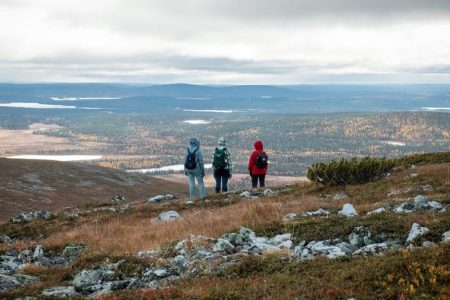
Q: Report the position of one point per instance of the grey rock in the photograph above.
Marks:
(340, 196)
(247, 195)
(268, 192)
(169, 216)
(420, 202)
(61, 292)
(25, 256)
(318, 213)
(38, 252)
(428, 244)
(446, 237)
(376, 211)
(435, 205)
(160, 198)
(5, 239)
(247, 234)
(326, 248)
(72, 251)
(289, 217)
(415, 232)
(371, 249)
(223, 246)
(118, 199)
(360, 236)
(260, 248)
(403, 208)
(87, 278)
(281, 238)
(161, 273)
(348, 211)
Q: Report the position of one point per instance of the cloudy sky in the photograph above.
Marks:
(225, 41)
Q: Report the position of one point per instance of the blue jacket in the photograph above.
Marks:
(200, 166)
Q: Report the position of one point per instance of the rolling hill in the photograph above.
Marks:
(27, 185)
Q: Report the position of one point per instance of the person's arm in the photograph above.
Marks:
(184, 161)
(200, 162)
(230, 162)
(251, 162)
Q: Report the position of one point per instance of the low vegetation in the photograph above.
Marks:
(408, 274)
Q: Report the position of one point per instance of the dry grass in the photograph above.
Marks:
(128, 234)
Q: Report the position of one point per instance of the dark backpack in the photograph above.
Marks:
(220, 160)
(261, 160)
(190, 162)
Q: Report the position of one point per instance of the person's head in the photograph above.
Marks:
(258, 145)
(194, 142)
(221, 142)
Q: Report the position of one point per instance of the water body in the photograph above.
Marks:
(172, 168)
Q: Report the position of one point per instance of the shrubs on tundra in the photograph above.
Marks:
(353, 171)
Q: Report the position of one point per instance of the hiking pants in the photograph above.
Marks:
(221, 176)
(255, 180)
(201, 185)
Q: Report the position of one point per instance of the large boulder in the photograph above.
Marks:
(446, 237)
(415, 232)
(87, 278)
(348, 211)
(169, 216)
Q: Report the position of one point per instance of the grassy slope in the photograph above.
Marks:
(34, 185)
(420, 274)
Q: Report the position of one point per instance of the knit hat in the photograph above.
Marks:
(221, 142)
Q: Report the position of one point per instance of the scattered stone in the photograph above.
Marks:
(5, 239)
(415, 232)
(268, 192)
(126, 207)
(61, 292)
(160, 198)
(30, 216)
(404, 208)
(289, 217)
(38, 252)
(371, 249)
(376, 211)
(340, 196)
(118, 199)
(72, 251)
(87, 278)
(428, 244)
(169, 216)
(420, 202)
(435, 205)
(446, 237)
(348, 210)
(247, 195)
(360, 237)
(223, 245)
(318, 213)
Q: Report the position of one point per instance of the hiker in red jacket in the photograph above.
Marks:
(257, 165)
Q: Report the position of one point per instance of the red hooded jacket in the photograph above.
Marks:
(252, 161)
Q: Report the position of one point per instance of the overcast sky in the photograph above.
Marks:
(225, 41)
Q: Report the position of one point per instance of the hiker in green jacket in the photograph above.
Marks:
(222, 165)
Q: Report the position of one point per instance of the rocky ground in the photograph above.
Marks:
(400, 226)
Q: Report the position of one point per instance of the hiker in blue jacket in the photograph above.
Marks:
(222, 165)
(194, 168)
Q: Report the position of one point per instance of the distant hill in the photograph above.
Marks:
(27, 185)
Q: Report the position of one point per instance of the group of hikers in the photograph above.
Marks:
(194, 166)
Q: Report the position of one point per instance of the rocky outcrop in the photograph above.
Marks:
(25, 217)
(419, 203)
(415, 232)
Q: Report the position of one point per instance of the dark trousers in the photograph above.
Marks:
(255, 179)
(221, 176)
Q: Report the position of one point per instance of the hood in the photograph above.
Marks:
(258, 145)
(194, 143)
(221, 142)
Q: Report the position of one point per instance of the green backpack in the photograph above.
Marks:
(220, 160)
